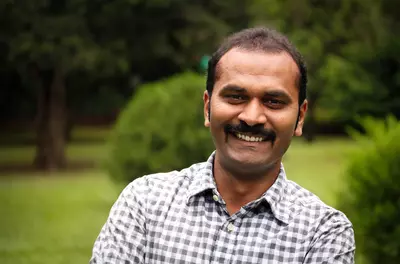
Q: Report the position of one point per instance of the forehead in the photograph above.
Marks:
(257, 67)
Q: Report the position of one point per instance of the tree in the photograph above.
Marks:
(168, 37)
(48, 39)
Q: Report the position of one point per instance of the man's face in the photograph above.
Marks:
(254, 109)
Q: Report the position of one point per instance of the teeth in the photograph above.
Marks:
(250, 139)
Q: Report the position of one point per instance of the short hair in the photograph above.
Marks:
(258, 39)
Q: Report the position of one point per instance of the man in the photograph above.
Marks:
(237, 207)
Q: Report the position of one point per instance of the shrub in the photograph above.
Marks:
(161, 129)
(372, 200)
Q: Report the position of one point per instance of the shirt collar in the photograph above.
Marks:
(275, 195)
(203, 180)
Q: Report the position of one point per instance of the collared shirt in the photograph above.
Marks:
(179, 217)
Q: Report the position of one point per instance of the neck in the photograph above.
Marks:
(238, 189)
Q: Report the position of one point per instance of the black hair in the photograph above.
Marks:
(258, 39)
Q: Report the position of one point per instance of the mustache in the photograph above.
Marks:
(242, 127)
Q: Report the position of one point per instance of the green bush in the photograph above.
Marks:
(161, 129)
(372, 200)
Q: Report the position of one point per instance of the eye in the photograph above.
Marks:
(274, 103)
(235, 98)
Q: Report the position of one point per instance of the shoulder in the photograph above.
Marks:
(307, 205)
(329, 232)
(163, 183)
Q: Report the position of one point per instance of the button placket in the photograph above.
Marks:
(215, 197)
(230, 227)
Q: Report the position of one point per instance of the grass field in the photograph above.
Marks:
(56, 218)
(320, 166)
(52, 219)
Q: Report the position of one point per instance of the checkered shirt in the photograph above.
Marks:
(179, 217)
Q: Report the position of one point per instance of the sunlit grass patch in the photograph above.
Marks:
(52, 219)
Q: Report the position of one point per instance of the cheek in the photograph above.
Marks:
(216, 106)
(222, 113)
(283, 123)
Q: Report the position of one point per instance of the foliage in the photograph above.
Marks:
(117, 36)
(372, 199)
(161, 129)
(60, 33)
(172, 35)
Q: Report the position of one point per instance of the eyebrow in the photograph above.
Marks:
(233, 88)
(271, 93)
(278, 94)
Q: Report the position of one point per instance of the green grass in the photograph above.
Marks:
(55, 218)
(48, 219)
(319, 167)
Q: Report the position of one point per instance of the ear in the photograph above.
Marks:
(206, 100)
(302, 115)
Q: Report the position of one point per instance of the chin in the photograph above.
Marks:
(251, 161)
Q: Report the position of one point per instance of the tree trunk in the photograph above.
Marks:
(50, 150)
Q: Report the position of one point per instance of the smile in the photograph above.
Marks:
(249, 138)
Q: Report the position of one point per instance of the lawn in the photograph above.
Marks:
(48, 219)
(319, 167)
(56, 218)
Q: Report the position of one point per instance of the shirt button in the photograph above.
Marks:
(230, 227)
(215, 197)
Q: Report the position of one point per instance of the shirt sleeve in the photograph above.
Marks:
(122, 239)
(334, 243)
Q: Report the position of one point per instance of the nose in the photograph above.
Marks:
(253, 113)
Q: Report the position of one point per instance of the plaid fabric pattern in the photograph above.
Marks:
(179, 217)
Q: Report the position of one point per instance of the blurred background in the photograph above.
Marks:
(96, 93)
